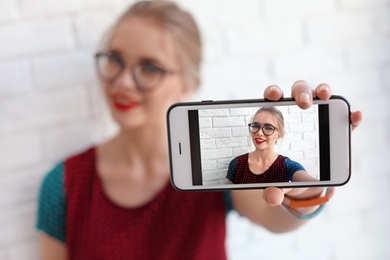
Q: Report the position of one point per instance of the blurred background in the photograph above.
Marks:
(50, 105)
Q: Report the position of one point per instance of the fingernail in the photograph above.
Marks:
(304, 98)
(273, 89)
(324, 88)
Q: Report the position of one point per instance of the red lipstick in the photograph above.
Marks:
(259, 141)
(123, 103)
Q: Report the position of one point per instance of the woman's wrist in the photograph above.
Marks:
(307, 208)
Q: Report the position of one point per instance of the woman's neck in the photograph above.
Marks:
(263, 156)
(144, 146)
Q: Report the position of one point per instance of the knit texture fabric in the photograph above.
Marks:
(52, 209)
(276, 173)
(175, 225)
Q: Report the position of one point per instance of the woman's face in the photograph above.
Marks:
(137, 42)
(260, 140)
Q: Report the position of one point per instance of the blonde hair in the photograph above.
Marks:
(181, 26)
(277, 115)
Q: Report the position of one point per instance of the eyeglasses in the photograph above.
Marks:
(146, 75)
(267, 129)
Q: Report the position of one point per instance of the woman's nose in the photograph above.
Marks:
(126, 80)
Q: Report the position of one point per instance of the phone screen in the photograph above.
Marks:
(220, 136)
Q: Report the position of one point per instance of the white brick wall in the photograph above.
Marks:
(50, 105)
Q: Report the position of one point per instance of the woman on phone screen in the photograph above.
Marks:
(264, 165)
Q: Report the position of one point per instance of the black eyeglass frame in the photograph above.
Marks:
(122, 64)
(262, 128)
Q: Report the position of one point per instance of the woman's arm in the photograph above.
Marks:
(263, 206)
(51, 248)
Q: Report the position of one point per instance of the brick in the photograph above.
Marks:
(26, 250)
(356, 83)
(35, 37)
(292, 118)
(243, 111)
(8, 11)
(310, 61)
(44, 109)
(213, 112)
(214, 132)
(298, 110)
(293, 137)
(372, 52)
(210, 13)
(79, 136)
(20, 225)
(310, 117)
(208, 165)
(362, 4)
(205, 122)
(311, 154)
(231, 142)
(310, 136)
(223, 164)
(294, 155)
(18, 193)
(240, 151)
(269, 38)
(340, 28)
(91, 27)
(106, 4)
(240, 131)
(19, 149)
(3, 255)
(216, 153)
(301, 146)
(214, 45)
(228, 121)
(15, 77)
(282, 9)
(45, 7)
(207, 143)
(214, 175)
(386, 76)
(64, 70)
(301, 127)
(383, 21)
(242, 78)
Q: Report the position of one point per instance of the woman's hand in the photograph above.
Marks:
(303, 95)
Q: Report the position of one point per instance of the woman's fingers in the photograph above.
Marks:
(302, 93)
(323, 91)
(356, 119)
(273, 196)
(273, 93)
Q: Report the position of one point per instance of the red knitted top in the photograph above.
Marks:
(175, 225)
(276, 173)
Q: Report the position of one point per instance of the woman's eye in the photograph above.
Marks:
(115, 59)
(150, 68)
(268, 128)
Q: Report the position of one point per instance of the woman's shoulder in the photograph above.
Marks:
(55, 175)
(293, 164)
(87, 152)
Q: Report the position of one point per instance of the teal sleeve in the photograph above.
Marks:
(293, 167)
(231, 174)
(51, 217)
(227, 199)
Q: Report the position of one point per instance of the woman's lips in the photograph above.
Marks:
(259, 141)
(123, 103)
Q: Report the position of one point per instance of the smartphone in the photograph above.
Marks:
(226, 145)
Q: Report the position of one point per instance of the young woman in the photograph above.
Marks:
(264, 165)
(115, 201)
